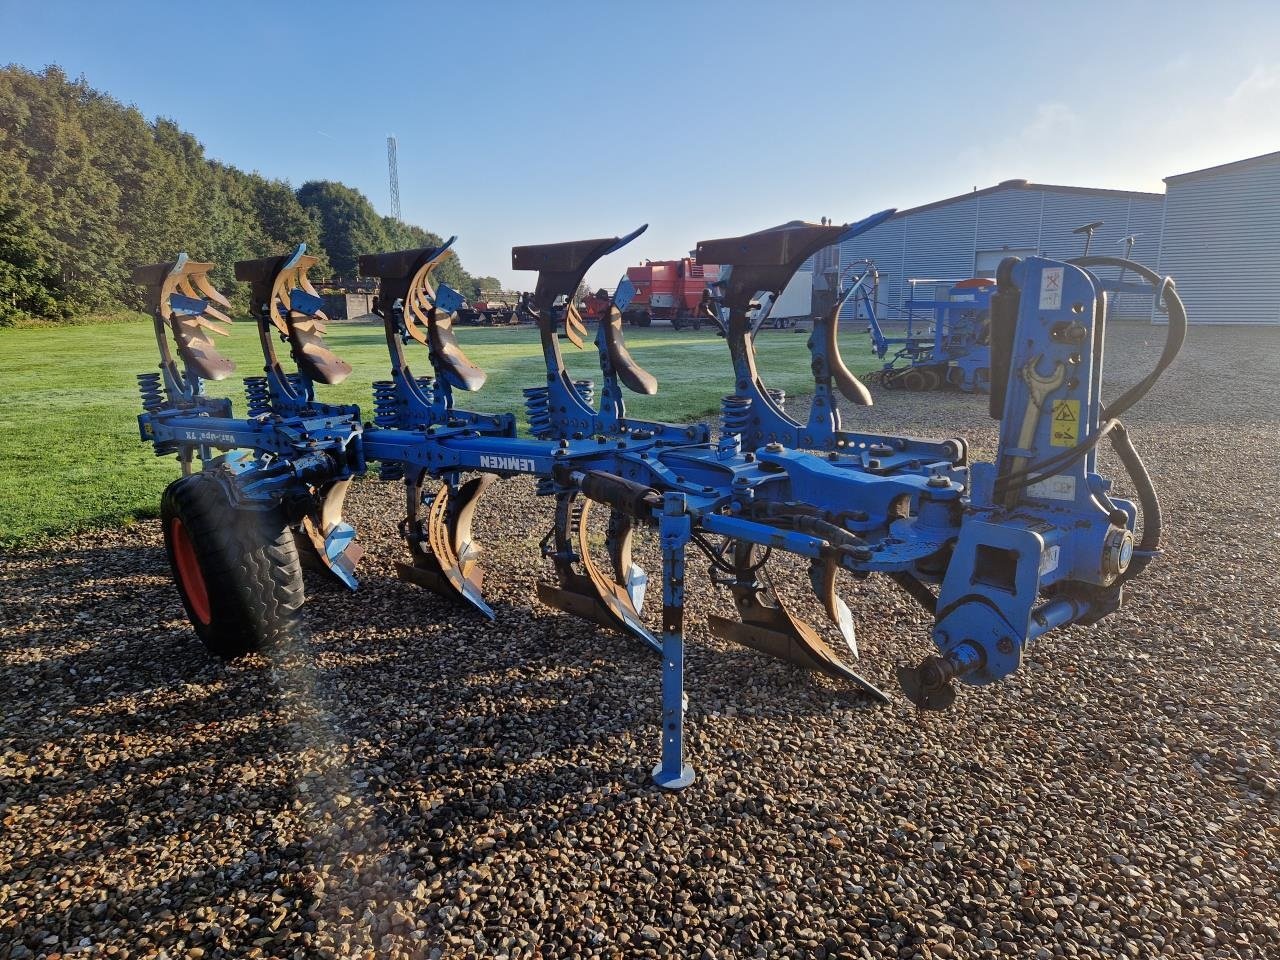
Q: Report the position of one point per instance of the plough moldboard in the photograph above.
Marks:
(999, 553)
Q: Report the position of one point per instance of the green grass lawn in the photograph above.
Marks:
(71, 460)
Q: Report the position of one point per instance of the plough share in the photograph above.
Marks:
(999, 553)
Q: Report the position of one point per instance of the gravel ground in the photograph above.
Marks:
(416, 783)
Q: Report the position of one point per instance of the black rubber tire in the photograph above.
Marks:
(248, 564)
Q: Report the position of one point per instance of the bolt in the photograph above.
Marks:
(939, 481)
(774, 447)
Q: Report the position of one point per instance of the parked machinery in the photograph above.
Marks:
(945, 336)
(998, 553)
(595, 305)
(669, 291)
(490, 310)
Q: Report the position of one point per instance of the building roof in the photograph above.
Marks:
(1028, 185)
(1233, 166)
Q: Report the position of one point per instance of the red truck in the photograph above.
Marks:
(669, 290)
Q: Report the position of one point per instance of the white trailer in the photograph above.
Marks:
(794, 304)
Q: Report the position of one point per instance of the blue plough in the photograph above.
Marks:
(998, 553)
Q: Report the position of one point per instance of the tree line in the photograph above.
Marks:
(89, 188)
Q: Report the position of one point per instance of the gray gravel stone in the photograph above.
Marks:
(414, 782)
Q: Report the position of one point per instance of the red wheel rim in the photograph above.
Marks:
(190, 579)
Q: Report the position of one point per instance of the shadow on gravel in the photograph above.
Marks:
(507, 721)
(476, 730)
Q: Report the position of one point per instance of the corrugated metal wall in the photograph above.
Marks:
(943, 242)
(885, 245)
(1219, 229)
(1064, 212)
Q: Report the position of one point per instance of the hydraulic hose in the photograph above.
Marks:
(1177, 329)
(1148, 501)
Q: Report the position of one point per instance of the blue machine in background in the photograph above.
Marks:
(945, 337)
(997, 553)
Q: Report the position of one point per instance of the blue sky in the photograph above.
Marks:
(533, 122)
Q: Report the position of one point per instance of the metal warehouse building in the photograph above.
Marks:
(1221, 240)
(1216, 231)
(969, 235)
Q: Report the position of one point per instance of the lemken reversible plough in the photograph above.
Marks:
(999, 553)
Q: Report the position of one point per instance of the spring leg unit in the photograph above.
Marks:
(673, 530)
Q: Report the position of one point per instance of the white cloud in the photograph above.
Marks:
(1261, 85)
(1020, 153)
(1051, 120)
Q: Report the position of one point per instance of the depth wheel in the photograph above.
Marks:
(913, 380)
(237, 570)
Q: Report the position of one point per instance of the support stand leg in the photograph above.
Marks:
(673, 773)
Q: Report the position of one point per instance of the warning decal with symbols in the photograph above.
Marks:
(1065, 430)
(1051, 288)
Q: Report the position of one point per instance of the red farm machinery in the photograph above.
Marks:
(670, 291)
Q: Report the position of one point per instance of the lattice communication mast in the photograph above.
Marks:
(394, 174)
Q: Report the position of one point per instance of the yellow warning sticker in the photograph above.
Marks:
(1066, 423)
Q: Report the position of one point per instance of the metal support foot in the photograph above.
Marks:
(673, 530)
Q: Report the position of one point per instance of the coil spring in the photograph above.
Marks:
(298, 384)
(778, 396)
(152, 392)
(427, 385)
(735, 414)
(257, 396)
(385, 413)
(537, 408)
(586, 390)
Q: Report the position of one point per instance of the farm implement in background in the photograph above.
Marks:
(945, 336)
(998, 554)
(942, 334)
